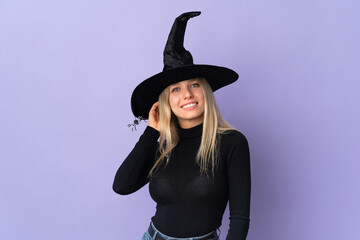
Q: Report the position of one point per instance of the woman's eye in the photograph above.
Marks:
(175, 90)
(195, 85)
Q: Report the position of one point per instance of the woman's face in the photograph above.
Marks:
(187, 102)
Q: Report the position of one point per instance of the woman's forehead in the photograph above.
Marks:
(185, 81)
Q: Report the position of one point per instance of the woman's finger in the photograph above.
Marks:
(154, 116)
(155, 107)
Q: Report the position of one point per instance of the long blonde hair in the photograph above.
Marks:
(213, 124)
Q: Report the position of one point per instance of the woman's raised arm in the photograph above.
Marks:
(133, 172)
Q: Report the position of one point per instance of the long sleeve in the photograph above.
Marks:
(133, 172)
(239, 188)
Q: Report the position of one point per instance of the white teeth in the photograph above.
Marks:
(189, 105)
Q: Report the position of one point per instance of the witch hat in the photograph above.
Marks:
(178, 66)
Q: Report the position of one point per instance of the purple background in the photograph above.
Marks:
(67, 71)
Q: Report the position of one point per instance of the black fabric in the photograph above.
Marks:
(175, 55)
(190, 204)
(178, 66)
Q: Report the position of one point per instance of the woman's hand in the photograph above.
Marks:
(154, 117)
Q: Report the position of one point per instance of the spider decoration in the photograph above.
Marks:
(136, 122)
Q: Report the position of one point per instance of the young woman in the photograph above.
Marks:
(200, 162)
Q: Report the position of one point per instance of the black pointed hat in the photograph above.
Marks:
(178, 66)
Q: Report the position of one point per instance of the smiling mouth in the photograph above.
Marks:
(189, 105)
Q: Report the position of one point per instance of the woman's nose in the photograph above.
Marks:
(187, 93)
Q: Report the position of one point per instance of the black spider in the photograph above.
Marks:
(136, 122)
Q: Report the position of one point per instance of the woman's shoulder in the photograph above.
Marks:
(233, 136)
(232, 133)
(234, 146)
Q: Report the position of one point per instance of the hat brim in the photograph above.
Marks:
(147, 92)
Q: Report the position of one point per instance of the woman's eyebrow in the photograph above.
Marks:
(195, 81)
(174, 85)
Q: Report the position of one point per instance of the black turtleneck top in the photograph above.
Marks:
(188, 203)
